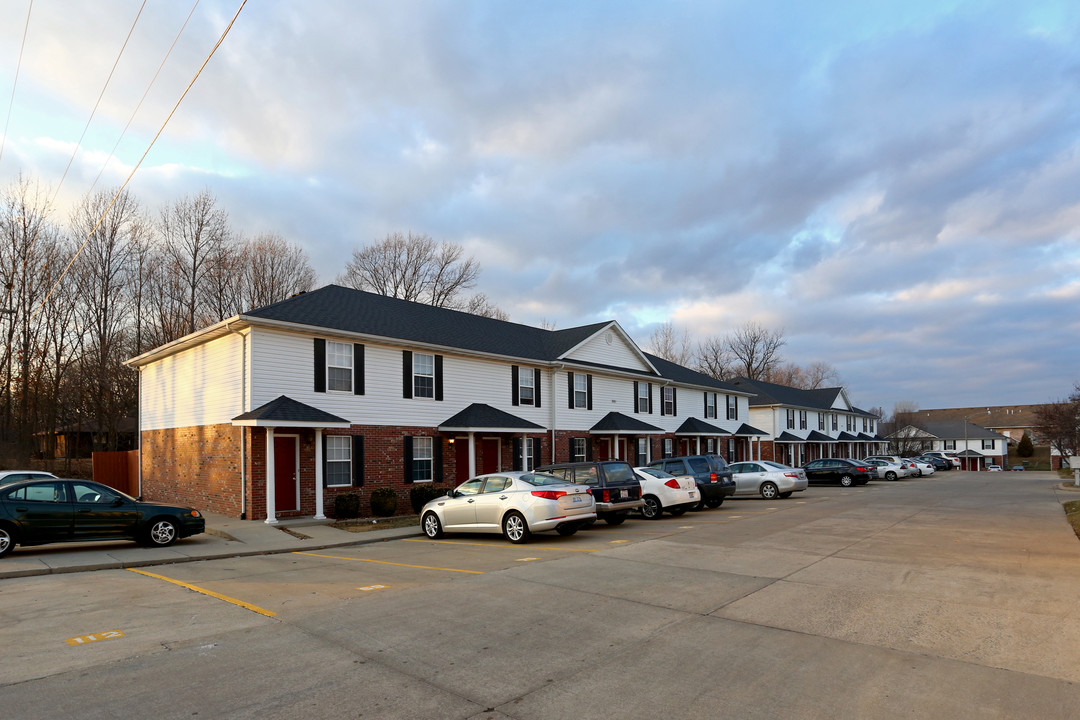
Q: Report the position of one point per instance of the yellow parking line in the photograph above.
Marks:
(384, 562)
(493, 545)
(211, 593)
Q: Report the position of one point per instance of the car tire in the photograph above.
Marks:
(431, 525)
(890, 475)
(567, 530)
(679, 510)
(615, 518)
(769, 491)
(846, 481)
(786, 495)
(162, 532)
(515, 529)
(712, 504)
(652, 509)
(7, 539)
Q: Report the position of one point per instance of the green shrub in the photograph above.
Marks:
(1024, 448)
(347, 506)
(383, 502)
(420, 495)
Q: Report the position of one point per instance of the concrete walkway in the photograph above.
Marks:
(224, 537)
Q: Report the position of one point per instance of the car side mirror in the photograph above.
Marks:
(117, 502)
(453, 494)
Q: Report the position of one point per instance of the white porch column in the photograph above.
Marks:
(271, 512)
(615, 442)
(472, 454)
(319, 476)
(697, 447)
(524, 452)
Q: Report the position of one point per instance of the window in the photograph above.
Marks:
(338, 460)
(667, 448)
(988, 444)
(821, 421)
(710, 405)
(586, 475)
(731, 448)
(87, 493)
(732, 407)
(710, 445)
(802, 419)
(496, 484)
(526, 463)
(835, 425)
(577, 449)
(525, 387)
(871, 426)
(950, 444)
(864, 424)
(423, 375)
(850, 422)
(339, 364)
(668, 401)
(581, 391)
(40, 492)
(790, 419)
(644, 397)
(422, 459)
(642, 451)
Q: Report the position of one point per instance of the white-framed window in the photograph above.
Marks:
(338, 460)
(821, 421)
(988, 444)
(423, 459)
(581, 390)
(642, 451)
(710, 405)
(339, 366)
(527, 461)
(578, 452)
(730, 450)
(668, 394)
(732, 407)
(423, 375)
(526, 389)
(864, 424)
(871, 425)
(710, 445)
(790, 419)
(835, 423)
(643, 392)
(802, 419)
(949, 444)
(668, 448)
(850, 422)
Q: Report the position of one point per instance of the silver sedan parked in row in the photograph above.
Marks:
(887, 470)
(768, 479)
(516, 504)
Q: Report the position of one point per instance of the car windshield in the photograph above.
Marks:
(778, 466)
(540, 479)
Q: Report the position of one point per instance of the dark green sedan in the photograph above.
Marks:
(35, 512)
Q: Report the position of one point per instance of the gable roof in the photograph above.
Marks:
(283, 410)
(768, 393)
(479, 416)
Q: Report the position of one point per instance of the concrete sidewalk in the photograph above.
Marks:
(225, 537)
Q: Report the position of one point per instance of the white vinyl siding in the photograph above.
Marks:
(617, 353)
(199, 386)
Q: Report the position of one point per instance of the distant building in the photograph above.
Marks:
(976, 446)
(1012, 421)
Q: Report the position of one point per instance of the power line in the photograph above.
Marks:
(139, 164)
(18, 66)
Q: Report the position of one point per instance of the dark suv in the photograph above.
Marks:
(711, 472)
(615, 487)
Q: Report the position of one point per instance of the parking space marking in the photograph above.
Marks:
(385, 562)
(493, 545)
(526, 559)
(368, 588)
(84, 639)
(211, 593)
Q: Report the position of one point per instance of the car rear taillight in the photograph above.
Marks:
(548, 494)
(712, 477)
(672, 483)
(588, 490)
(862, 469)
(794, 475)
(605, 496)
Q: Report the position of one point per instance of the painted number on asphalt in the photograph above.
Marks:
(372, 587)
(83, 639)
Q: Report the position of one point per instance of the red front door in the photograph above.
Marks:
(461, 459)
(489, 456)
(286, 492)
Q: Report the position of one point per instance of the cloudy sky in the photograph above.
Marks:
(896, 185)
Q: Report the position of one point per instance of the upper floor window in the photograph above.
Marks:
(864, 424)
(668, 394)
(850, 422)
(821, 421)
(732, 407)
(950, 444)
(802, 419)
(710, 405)
(988, 444)
(339, 366)
(644, 397)
(423, 375)
(835, 424)
(526, 388)
(790, 419)
(581, 390)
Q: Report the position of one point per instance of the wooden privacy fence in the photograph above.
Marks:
(118, 470)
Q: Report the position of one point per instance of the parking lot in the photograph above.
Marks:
(953, 595)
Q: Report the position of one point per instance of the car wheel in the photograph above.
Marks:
(715, 503)
(679, 510)
(567, 530)
(515, 529)
(7, 539)
(846, 480)
(615, 518)
(890, 475)
(652, 509)
(162, 533)
(769, 491)
(786, 495)
(432, 526)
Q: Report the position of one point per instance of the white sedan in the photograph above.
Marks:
(768, 479)
(516, 504)
(887, 470)
(921, 467)
(662, 491)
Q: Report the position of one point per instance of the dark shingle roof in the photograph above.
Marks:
(749, 431)
(954, 430)
(285, 409)
(481, 416)
(617, 422)
(816, 436)
(694, 426)
(789, 437)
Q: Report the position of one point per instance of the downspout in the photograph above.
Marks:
(554, 409)
(138, 424)
(243, 430)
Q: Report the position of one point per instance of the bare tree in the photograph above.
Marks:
(1058, 423)
(671, 344)
(413, 267)
(273, 270)
(810, 377)
(194, 229)
(480, 305)
(756, 350)
(715, 359)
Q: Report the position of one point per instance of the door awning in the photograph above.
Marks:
(615, 423)
(283, 411)
(479, 416)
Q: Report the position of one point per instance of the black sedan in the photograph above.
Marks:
(839, 470)
(937, 462)
(35, 512)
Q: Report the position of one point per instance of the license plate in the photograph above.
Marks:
(577, 498)
(693, 494)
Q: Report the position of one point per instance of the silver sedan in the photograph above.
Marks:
(516, 504)
(768, 479)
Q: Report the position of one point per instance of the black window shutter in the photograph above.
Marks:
(324, 460)
(635, 396)
(588, 448)
(437, 469)
(357, 459)
(438, 377)
(650, 398)
(536, 386)
(588, 392)
(406, 377)
(536, 453)
(674, 401)
(570, 385)
(514, 385)
(320, 365)
(408, 458)
(663, 400)
(517, 453)
(705, 412)
(357, 369)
